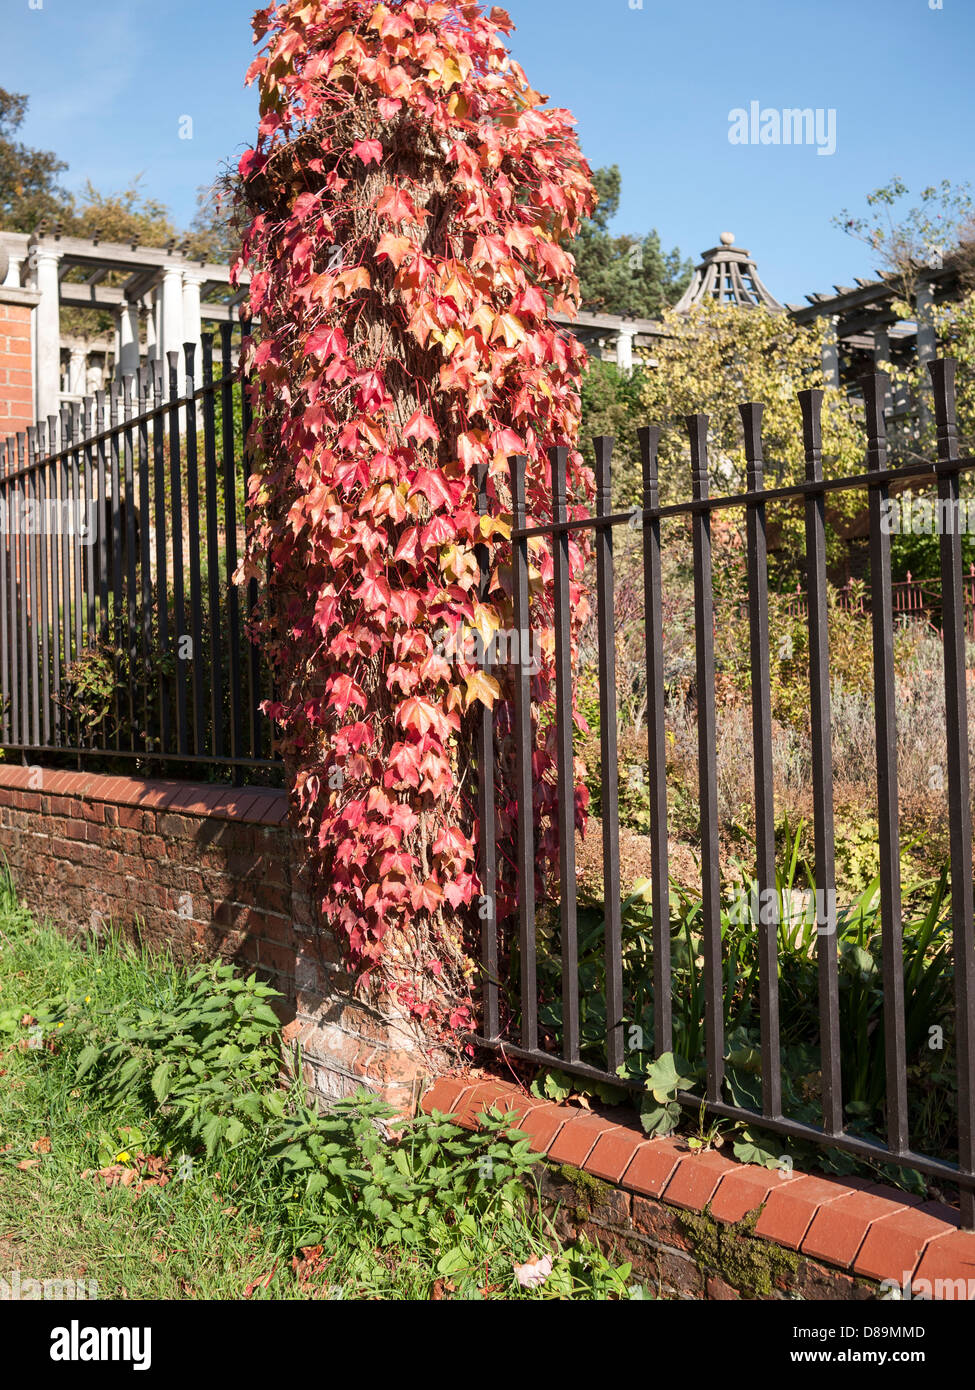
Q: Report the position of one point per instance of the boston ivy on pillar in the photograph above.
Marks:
(408, 196)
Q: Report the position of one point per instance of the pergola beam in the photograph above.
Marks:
(89, 296)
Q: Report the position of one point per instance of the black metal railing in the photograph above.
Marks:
(123, 639)
(511, 949)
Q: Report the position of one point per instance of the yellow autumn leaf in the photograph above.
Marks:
(450, 71)
(508, 327)
(457, 562)
(486, 623)
(494, 526)
(483, 319)
(454, 289)
(450, 340)
(482, 687)
(356, 278)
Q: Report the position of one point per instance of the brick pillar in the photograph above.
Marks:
(16, 359)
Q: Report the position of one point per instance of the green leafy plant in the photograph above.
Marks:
(660, 1111)
(357, 1202)
(339, 1165)
(205, 1059)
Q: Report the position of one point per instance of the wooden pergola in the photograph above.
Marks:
(159, 299)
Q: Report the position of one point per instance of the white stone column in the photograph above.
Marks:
(78, 371)
(128, 358)
(192, 283)
(927, 338)
(94, 378)
(149, 312)
(831, 353)
(624, 351)
(927, 345)
(48, 344)
(172, 338)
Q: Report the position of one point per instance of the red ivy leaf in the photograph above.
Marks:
(369, 151)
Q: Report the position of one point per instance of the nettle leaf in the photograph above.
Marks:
(456, 1261)
(162, 1081)
(86, 1060)
(131, 1069)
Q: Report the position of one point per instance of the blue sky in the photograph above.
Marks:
(651, 86)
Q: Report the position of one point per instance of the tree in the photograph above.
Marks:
(29, 188)
(909, 240)
(718, 356)
(409, 194)
(624, 274)
(213, 233)
(128, 216)
(913, 436)
(612, 403)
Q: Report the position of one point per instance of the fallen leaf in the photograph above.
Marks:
(534, 1272)
(263, 1281)
(26, 1163)
(309, 1263)
(42, 1145)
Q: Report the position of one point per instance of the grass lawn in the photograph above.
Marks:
(145, 1145)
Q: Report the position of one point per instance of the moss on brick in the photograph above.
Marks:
(589, 1191)
(751, 1265)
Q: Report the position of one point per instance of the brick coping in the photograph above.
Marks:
(864, 1228)
(256, 805)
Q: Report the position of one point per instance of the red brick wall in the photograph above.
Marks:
(16, 369)
(700, 1225)
(206, 872)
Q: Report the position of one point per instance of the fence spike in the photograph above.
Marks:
(942, 372)
(697, 429)
(189, 357)
(751, 413)
(172, 359)
(603, 448)
(649, 439)
(811, 408)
